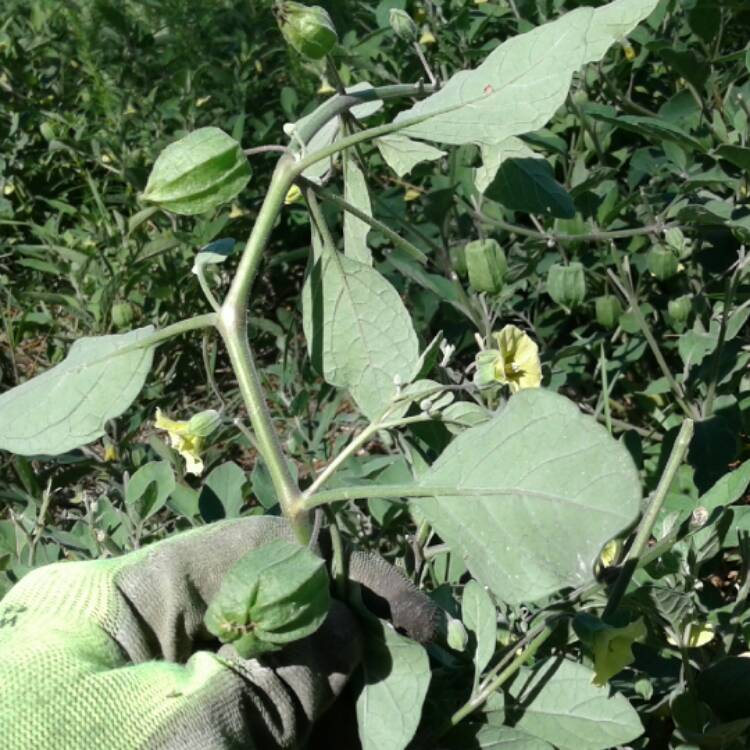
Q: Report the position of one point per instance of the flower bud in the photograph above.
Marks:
(457, 637)
(275, 594)
(308, 28)
(123, 314)
(458, 260)
(204, 423)
(403, 25)
(567, 284)
(662, 262)
(608, 311)
(486, 264)
(679, 309)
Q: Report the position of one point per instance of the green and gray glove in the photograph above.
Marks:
(107, 653)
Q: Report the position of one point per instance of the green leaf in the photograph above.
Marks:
(225, 483)
(523, 81)
(355, 192)
(479, 615)
(737, 155)
(729, 489)
(560, 488)
(359, 334)
(490, 737)
(402, 154)
(148, 489)
(68, 406)
(521, 180)
(653, 128)
(198, 173)
(397, 675)
(213, 253)
(559, 704)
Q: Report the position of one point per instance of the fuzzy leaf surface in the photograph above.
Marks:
(560, 487)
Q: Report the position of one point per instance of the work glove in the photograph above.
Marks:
(113, 654)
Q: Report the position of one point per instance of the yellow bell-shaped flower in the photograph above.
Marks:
(518, 365)
(188, 437)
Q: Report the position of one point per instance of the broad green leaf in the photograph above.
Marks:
(559, 704)
(225, 482)
(198, 173)
(521, 180)
(355, 192)
(653, 128)
(560, 488)
(213, 253)
(402, 154)
(479, 615)
(397, 675)
(68, 406)
(359, 334)
(490, 737)
(728, 489)
(148, 489)
(523, 81)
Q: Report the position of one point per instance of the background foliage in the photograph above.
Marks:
(651, 152)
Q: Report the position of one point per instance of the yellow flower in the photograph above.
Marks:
(697, 635)
(611, 553)
(518, 364)
(188, 437)
(427, 38)
(110, 452)
(612, 649)
(294, 195)
(325, 88)
(412, 194)
(629, 52)
(236, 212)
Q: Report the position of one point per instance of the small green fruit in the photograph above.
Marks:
(608, 311)
(662, 262)
(567, 284)
(679, 309)
(486, 265)
(308, 28)
(275, 594)
(198, 173)
(123, 314)
(403, 25)
(204, 423)
(458, 260)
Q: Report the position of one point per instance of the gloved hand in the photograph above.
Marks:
(106, 653)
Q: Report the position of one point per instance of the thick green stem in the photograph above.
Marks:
(232, 325)
(676, 457)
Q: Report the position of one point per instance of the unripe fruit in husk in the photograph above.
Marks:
(608, 311)
(198, 173)
(486, 265)
(567, 284)
(308, 28)
(123, 314)
(204, 423)
(403, 25)
(679, 309)
(458, 260)
(275, 594)
(662, 262)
